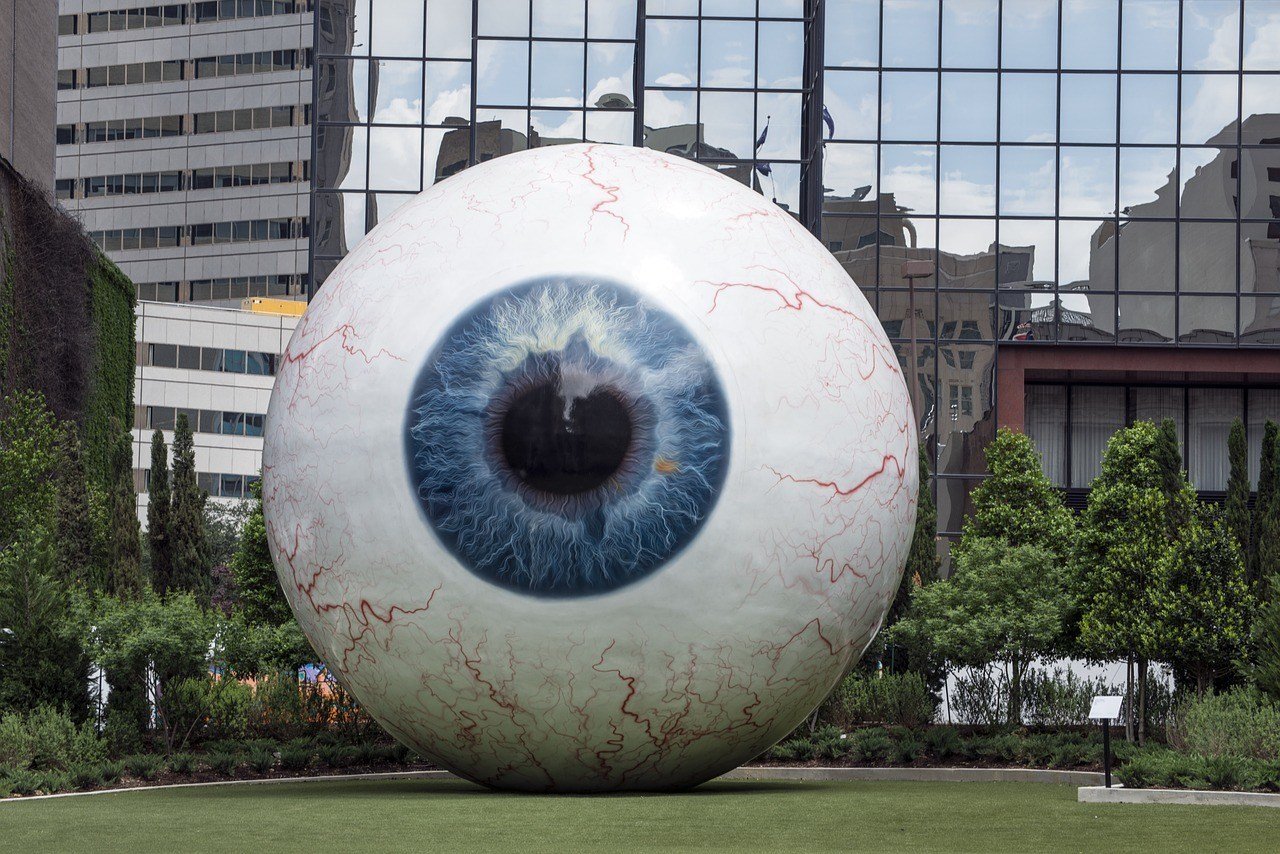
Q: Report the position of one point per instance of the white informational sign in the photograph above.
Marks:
(1105, 708)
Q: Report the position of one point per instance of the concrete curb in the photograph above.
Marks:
(1100, 795)
(758, 772)
(917, 775)
(319, 778)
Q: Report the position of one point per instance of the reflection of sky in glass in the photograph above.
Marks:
(503, 72)
(910, 33)
(1030, 34)
(1089, 33)
(1149, 108)
(1149, 35)
(557, 74)
(503, 18)
(1087, 182)
(397, 28)
(670, 53)
(1027, 181)
(1210, 34)
(728, 53)
(781, 55)
(969, 33)
(968, 180)
(908, 171)
(399, 95)
(852, 36)
(968, 107)
(559, 18)
(1088, 108)
(908, 105)
(449, 29)
(1142, 172)
(1028, 108)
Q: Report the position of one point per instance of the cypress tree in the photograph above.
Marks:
(1266, 492)
(158, 514)
(1237, 504)
(124, 570)
(1168, 456)
(74, 545)
(188, 550)
(1266, 513)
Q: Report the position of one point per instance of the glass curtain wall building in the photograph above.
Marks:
(1066, 212)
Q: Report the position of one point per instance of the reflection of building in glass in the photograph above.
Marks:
(1051, 219)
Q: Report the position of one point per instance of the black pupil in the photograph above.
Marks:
(565, 455)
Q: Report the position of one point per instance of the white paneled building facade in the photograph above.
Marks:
(216, 366)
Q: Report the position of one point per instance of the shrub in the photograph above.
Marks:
(296, 758)
(86, 776)
(230, 708)
(24, 782)
(943, 741)
(894, 699)
(262, 761)
(54, 780)
(222, 762)
(278, 710)
(1240, 723)
(1058, 699)
(182, 763)
(111, 771)
(122, 733)
(15, 743)
(872, 745)
(337, 755)
(52, 736)
(979, 697)
(144, 766)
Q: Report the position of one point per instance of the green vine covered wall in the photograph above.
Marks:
(66, 320)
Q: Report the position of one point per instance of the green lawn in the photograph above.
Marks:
(444, 815)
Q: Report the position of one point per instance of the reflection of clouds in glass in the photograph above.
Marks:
(969, 33)
(448, 91)
(968, 180)
(503, 72)
(671, 47)
(449, 28)
(1142, 172)
(395, 156)
(665, 109)
(1149, 37)
(1027, 181)
(728, 53)
(1210, 35)
(1208, 107)
(847, 167)
(852, 99)
(782, 112)
(399, 94)
(503, 18)
(397, 27)
(851, 38)
(1262, 36)
(1089, 33)
(559, 18)
(908, 171)
(1087, 182)
(910, 36)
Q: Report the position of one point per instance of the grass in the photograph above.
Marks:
(447, 815)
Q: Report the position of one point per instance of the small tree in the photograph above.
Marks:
(1003, 603)
(1018, 505)
(124, 570)
(42, 656)
(189, 549)
(75, 540)
(1122, 541)
(258, 587)
(1265, 668)
(30, 439)
(1237, 504)
(1264, 524)
(158, 514)
(1204, 602)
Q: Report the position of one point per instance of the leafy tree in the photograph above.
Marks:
(42, 657)
(1018, 505)
(124, 569)
(158, 514)
(187, 536)
(262, 649)
(1121, 544)
(223, 523)
(1203, 600)
(1265, 667)
(75, 524)
(147, 643)
(1264, 522)
(1237, 504)
(921, 569)
(260, 598)
(1003, 603)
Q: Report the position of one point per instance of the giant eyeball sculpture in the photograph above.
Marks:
(589, 469)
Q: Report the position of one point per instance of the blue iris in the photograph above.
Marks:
(566, 437)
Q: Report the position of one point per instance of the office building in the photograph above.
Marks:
(1067, 212)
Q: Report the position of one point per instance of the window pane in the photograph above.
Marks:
(1046, 416)
(1096, 413)
(1211, 412)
